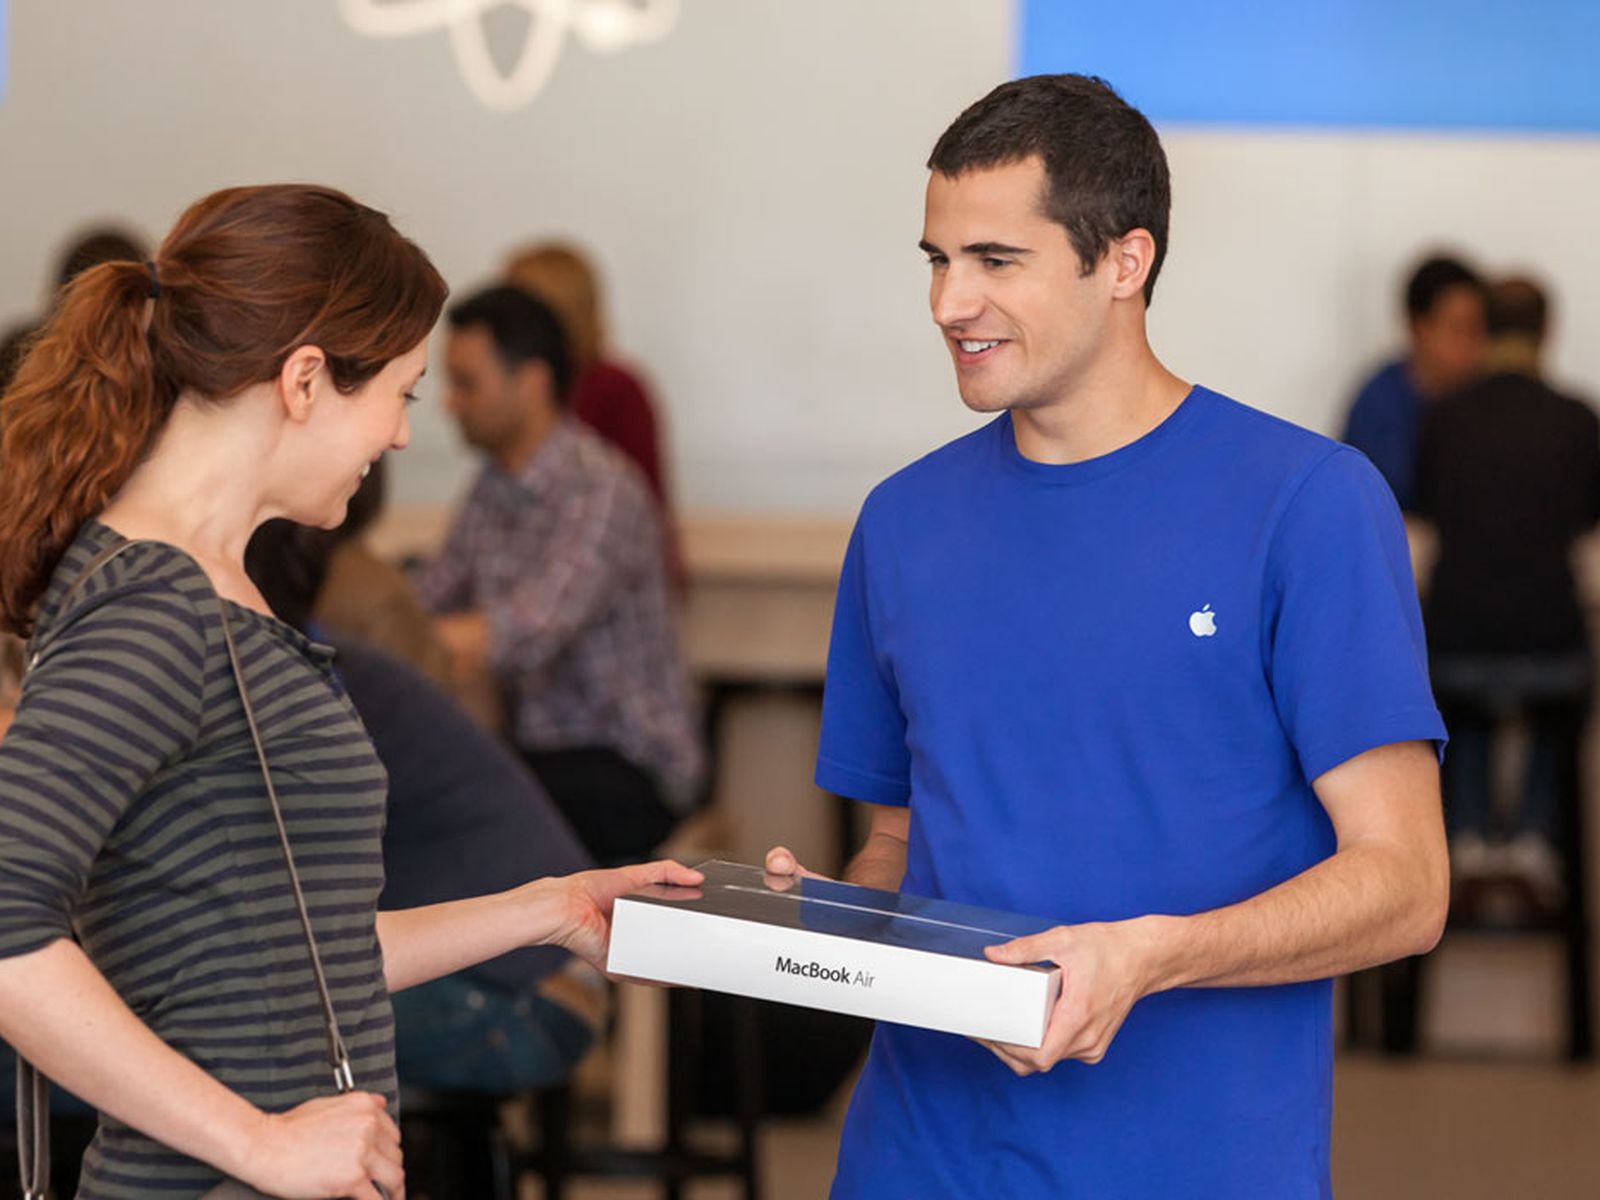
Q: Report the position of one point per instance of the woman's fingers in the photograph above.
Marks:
(665, 870)
(389, 1173)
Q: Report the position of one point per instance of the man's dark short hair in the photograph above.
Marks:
(1517, 307)
(96, 246)
(1433, 278)
(523, 328)
(1106, 171)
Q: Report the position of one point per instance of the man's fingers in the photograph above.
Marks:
(1009, 1056)
(781, 861)
(1017, 951)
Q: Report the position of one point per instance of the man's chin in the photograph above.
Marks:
(980, 401)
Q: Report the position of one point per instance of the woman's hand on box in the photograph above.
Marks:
(585, 924)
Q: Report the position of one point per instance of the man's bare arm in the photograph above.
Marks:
(881, 862)
(1382, 895)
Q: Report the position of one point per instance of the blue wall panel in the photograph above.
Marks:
(1418, 64)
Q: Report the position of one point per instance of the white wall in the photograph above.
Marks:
(752, 186)
(1289, 252)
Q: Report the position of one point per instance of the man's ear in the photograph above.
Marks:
(1133, 255)
(536, 384)
(297, 381)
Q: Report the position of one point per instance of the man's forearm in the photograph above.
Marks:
(881, 863)
(1368, 904)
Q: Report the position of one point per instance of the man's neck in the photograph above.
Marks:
(514, 457)
(1115, 405)
(1514, 355)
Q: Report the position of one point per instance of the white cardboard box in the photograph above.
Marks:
(821, 944)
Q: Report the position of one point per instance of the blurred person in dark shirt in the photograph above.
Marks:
(463, 815)
(1445, 346)
(1508, 472)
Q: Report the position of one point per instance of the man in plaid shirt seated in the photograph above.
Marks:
(552, 579)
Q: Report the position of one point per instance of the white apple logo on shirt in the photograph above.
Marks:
(1203, 623)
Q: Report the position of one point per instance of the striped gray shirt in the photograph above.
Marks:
(132, 811)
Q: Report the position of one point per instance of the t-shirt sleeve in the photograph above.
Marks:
(1345, 649)
(114, 699)
(863, 751)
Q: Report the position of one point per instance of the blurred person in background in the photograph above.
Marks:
(552, 580)
(464, 816)
(362, 598)
(103, 243)
(1445, 345)
(366, 599)
(606, 396)
(1508, 473)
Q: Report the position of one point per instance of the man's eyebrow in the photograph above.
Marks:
(983, 249)
(978, 249)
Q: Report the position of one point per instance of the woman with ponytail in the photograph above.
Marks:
(152, 958)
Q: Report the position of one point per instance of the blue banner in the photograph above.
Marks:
(1400, 64)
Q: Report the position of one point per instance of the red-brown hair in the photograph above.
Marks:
(247, 276)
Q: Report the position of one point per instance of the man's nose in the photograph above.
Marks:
(954, 297)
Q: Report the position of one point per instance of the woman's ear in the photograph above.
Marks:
(297, 381)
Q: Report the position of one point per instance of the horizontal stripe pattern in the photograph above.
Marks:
(132, 810)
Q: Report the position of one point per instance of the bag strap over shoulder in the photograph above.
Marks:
(63, 619)
(338, 1056)
(33, 1089)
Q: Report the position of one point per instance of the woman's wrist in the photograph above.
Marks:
(546, 911)
(242, 1138)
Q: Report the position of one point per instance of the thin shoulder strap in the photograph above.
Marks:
(338, 1056)
(64, 609)
(33, 1131)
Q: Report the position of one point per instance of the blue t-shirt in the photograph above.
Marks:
(1383, 423)
(1025, 654)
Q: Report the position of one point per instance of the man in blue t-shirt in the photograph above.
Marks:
(1143, 662)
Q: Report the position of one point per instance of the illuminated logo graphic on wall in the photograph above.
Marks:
(602, 26)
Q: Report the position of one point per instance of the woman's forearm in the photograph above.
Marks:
(59, 1012)
(420, 944)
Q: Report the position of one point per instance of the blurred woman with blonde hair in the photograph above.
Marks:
(606, 396)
